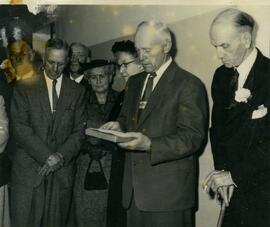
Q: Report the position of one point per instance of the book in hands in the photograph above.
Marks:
(109, 135)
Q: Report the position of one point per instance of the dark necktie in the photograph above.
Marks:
(233, 88)
(54, 96)
(147, 93)
(149, 87)
(234, 81)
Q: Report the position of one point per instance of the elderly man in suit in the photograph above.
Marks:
(165, 111)
(79, 54)
(240, 122)
(48, 121)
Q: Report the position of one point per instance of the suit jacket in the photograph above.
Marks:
(175, 121)
(37, 136)
(240, 144)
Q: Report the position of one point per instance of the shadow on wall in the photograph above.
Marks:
(174, 50)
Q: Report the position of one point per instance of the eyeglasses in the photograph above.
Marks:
(125, 64)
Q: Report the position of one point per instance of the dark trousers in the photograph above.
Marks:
(179, 218)
(48, 204)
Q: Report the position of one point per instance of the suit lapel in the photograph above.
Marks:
(44, 98)
(252, 82)
(157, 94)
(63, 100)
(137, 91)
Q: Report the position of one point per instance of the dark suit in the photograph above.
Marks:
(40, 200)
(175, 121)
(240, 144)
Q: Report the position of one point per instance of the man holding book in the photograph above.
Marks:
(165, 110)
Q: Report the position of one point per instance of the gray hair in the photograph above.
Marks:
(238, 18)
(160, 27)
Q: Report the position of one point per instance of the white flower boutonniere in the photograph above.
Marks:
(260, 112)
(242, 95)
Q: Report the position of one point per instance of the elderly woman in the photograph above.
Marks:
(94, 163)
(4, 207)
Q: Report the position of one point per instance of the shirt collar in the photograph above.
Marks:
(246, 65)
(78, 79)
(59, 79)
(162, 68)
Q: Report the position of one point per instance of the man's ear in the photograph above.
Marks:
(247, 39)
(167, 46)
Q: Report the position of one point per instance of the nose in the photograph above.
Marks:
(98, 80)
(55, 67)
(220, 52)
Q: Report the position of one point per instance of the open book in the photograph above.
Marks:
(110, 135)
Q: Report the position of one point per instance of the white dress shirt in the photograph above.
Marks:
(244, 68)
(49, 87)
(78, 79)
(159, 73)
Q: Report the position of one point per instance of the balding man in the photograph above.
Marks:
(165, 110)
(240, 121)
(79, 54)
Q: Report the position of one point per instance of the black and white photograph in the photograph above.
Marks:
(132, 113)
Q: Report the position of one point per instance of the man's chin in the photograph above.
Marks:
(228, 65)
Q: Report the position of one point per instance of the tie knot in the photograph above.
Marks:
(54, 82)
(236, 73)
(152, 75)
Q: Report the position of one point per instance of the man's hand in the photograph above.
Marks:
(111, 125)
(53, 163)
(140, 142)
(221, 183)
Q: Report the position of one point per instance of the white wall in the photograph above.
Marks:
(100, 26)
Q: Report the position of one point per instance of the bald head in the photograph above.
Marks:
(155, 28)
(153, 44)
(231, 33)
(236, 18)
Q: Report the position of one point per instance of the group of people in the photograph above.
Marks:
(61, 177)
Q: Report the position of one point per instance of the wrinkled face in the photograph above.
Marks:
(54, 62)
(150, 48)
(231, 45)
(78, 55)
(99, 79)
(127, 63)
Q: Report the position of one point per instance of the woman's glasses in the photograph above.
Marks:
(125, 64)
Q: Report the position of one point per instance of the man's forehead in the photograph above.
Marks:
(146, 37)
(78, 49)
(57, 54)
(223, 32)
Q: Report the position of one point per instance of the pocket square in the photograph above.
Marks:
(260, 112)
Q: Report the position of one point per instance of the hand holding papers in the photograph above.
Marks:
(110, 135)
